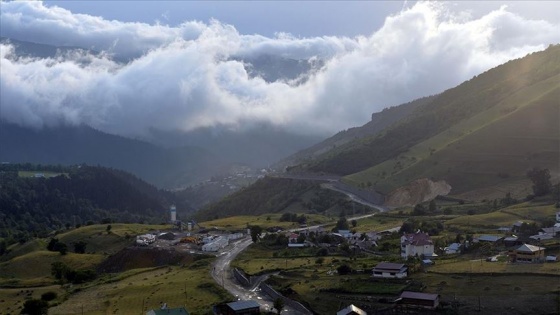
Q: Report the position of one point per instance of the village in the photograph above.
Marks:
(417, 250)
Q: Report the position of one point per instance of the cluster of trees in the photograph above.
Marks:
(64, 273)
(430, 227)
(34, 207)
(293, 217)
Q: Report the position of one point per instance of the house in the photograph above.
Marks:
(453, 248)
(516, 227)
(292, 238)
(527, 253)
(390, 270)
(168, 311)
(552, 231)
(242, 308)
(492, 239)
(418, 300)
(416, 244)
(512, 241)
(351, 310)
(558, 216)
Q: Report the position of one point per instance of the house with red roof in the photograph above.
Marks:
(418, 243)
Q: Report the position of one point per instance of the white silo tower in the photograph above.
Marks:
(173, 211)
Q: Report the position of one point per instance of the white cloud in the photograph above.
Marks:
(182, 77)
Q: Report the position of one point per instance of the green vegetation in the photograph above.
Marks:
(34, 207)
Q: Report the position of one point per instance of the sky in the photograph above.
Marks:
(183, 74)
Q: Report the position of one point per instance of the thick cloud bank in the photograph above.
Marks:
(185, 77)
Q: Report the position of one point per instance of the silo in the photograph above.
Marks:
(173, 213)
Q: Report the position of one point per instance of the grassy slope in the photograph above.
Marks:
(526, 212)
(148, 288)
(472, 153)
(241, 222)
(29, 264)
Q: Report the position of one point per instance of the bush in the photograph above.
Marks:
(344, 270)
(49, 296)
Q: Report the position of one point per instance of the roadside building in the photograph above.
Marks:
(527, 253)
(418, 300)
(242, 308)
(558, 216)
(390, 270)
(453, 248)
(216, 244)
(416, 244)
(351, 310)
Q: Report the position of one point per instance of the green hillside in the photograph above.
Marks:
(498, 145)
(450, 112)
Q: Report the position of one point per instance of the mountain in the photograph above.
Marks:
(68, 145)
(379, 121)
(486, 131)
(168, 159)
(35, 200)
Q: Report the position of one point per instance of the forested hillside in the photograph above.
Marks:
(35, 200)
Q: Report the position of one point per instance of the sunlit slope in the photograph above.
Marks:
(496, 93)
(495, 146)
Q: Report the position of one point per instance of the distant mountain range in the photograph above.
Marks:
(168, 159)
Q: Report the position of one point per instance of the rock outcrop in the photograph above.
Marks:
(418, 191)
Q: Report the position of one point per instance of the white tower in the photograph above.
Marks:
(173, 213)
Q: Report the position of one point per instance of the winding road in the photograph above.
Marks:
(221, 271)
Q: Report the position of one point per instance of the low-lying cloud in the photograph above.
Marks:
(186, 77)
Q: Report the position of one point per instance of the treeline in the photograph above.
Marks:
(446, 110)
(34, 207)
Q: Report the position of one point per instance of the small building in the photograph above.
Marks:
(168, 311)
(216, 244)
(351, 310)
(453, 248)
(512, 241)
(516, 227)
(242, 308)
(390, 270)
(558, 216)
(416, 244)
(292, 238)
(527, 253)
(418, 300)
(491, 239)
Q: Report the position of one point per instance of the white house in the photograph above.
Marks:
(351, 310)
(216, 244)
(416, 244)
(390, 270)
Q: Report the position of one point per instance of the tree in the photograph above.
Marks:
(256, 232)
(419, 209)
(342, 224)
(354, 223)
(541, 181)
(80, 247)
(59, 270)
(35, 307)
(278, 305)
(52, 244)
(61, 248)
(432, 207)
(344, 270)
(109, 228)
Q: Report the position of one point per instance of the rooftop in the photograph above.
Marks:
(169, 311)
(529, 248)
(389, 266)
(418, 295)
(351, 309)
(242, 305)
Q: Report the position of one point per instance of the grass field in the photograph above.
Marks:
(265, 221)
(12, 300)
(189, 286)
(525, 212)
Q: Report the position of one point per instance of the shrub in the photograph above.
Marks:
(49, 296)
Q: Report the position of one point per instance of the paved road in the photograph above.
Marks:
(222, 275)
(221, 268)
